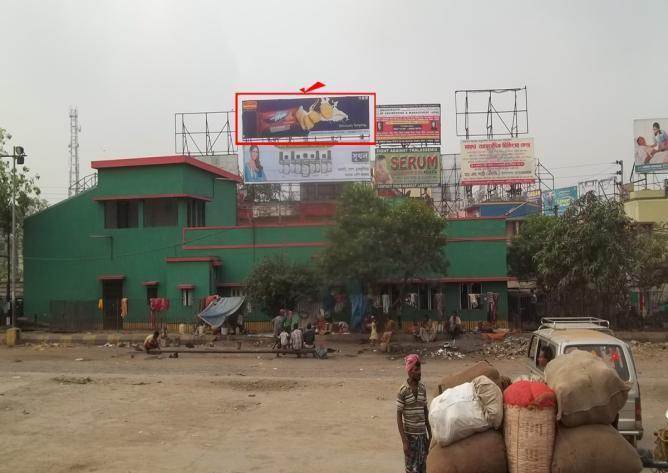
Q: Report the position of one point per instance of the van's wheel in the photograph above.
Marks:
(632, 440)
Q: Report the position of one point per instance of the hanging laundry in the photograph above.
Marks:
(439, 303)
(100, 304)
(474, 301)
(386, 303)
(124, 307)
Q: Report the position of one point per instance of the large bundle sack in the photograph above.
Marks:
(479, 453)
(529, 438)
(588, 391)
(491, 400)
(481, 368)
(456, 414)
(594, 449)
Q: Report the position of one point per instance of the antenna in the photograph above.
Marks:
(75, 128)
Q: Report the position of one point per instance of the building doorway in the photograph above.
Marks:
(112, 293)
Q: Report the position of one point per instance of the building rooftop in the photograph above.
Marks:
(164, 161)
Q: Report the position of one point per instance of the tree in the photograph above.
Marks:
(587, 259)
(278, 283)
(650, 261)
(374, 239)
(28, 201)
(533, 236)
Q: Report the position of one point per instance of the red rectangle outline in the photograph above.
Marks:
(303, 143)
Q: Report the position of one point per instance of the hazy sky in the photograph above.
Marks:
(590, 68)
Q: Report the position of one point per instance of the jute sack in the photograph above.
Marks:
(529, 438)
(491, 400)
(481, 368)
(588, 391)
(594, 449)
(480, 453)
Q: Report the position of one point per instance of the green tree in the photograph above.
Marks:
(533, 236)
(374, 239)
(28, 201)
(278, 283)
(588, 257)
(650, 260)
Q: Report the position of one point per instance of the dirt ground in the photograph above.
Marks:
(107, 409)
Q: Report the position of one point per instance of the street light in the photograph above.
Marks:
(18, 156)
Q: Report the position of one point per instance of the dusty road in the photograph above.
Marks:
(239, 413)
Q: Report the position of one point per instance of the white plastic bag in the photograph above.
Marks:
(456, 414)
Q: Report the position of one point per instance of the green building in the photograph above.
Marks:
(170, 227)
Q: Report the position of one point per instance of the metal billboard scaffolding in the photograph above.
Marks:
(204, 133)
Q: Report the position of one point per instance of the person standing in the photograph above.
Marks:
(455, 325)
(277, 326)
(296, 339)
(373, 338)
(413, 417)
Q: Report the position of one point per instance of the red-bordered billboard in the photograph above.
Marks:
(332, 118)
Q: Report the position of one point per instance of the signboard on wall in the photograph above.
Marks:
(294, 164)
(306, 116)
(509, 161)
(408, 123)
(407, 167)
(650, 141)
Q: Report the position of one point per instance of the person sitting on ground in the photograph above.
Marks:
(455, 325)
(296, 339)
(152, 342)
(309, 337)
(427, 330)
(545, 355)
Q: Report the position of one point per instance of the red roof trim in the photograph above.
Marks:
(308, 244)
(111, 277)
(229, 284)
(151, 196)
(162, 161)
(185, 286)
(452, 279)
(193, 259)
(150, 283)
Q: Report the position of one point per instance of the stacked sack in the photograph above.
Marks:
(529, 426)
(589, 396)
(464, 419)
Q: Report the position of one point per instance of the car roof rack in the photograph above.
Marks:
(573, 322)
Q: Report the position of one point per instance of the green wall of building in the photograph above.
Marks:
(67, 250)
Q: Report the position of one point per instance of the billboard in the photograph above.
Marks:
(585, 187)
(408, 123)
(288, 164)
(509, 161)
(407, 167)
(560, 198)
(306, 117)
(650, 141)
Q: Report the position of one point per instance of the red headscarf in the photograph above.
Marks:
(411, 360)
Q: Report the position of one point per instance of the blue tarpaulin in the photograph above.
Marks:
(218, 311)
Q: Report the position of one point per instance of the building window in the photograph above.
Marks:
(161, 213)
(471, 295)
(196, 213)
(187, 297)
(120, 214)
(151, 293)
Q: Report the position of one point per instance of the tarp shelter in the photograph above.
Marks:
(220, 310)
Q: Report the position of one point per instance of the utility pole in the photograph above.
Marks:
(620, 173)
(18, 157)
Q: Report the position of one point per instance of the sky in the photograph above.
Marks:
(590, 68)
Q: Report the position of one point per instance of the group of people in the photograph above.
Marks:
(288, 335)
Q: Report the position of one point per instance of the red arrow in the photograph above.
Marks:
(317, 85)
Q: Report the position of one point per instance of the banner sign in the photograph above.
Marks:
(307, 116)
(650, 141)
(509, 161)
(293, 164)
(408, 123)
(561, 199)
(533, 196)
(407, 167)
(588, 186)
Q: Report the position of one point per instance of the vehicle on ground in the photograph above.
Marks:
(563, 334)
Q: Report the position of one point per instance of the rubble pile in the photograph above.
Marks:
(447, 351)
(510, 348)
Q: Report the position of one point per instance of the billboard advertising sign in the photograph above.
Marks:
(302, 117)
(650, 141)
(408, 123)
(588, 186)
(292, 164)
(509, 161)
(560, 198)
(407, 167)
